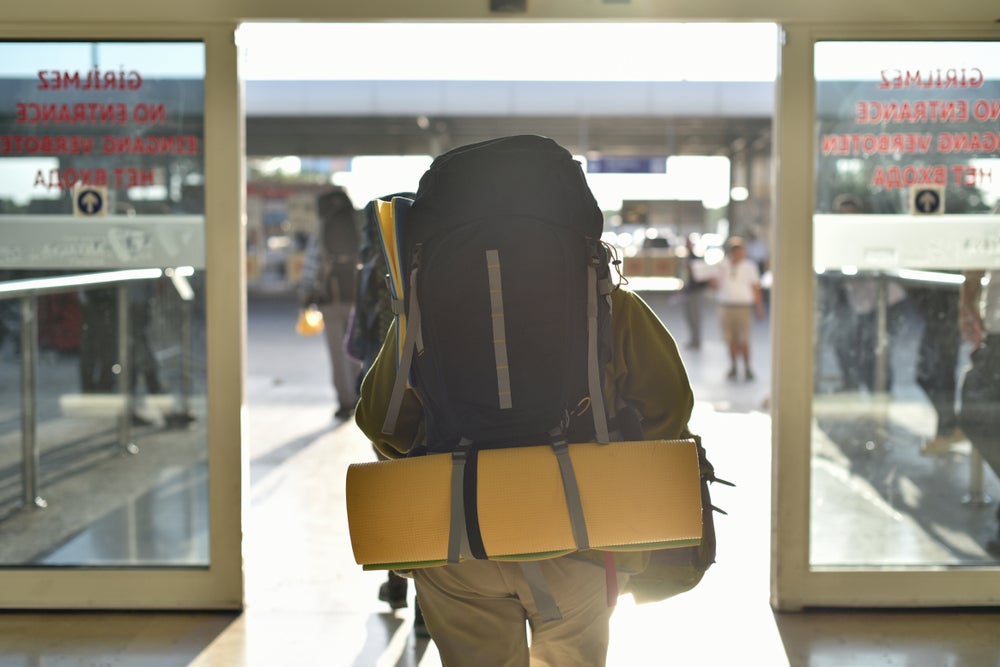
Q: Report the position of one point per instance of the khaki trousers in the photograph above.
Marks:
(343, 370)
(476, 612)
(736, 320)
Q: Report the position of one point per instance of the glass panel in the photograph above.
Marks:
(906, 436)
(103, 447)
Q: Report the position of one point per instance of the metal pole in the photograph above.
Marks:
(29, 417)
(186, 295)
(124, 374)
(186, 351)
(882, 338)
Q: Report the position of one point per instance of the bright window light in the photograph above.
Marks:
(545, 51)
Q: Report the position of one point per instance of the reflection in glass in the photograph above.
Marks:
(905, 199)
(103, 446)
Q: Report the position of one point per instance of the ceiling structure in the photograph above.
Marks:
(324, 118)
(419, 135)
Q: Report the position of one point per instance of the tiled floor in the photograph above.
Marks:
(309, 604)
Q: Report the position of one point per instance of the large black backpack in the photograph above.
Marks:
(506, 295)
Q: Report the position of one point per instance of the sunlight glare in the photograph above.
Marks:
(545, 51)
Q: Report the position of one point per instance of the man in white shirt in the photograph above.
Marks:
(737, 284)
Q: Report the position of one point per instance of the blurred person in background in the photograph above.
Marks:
(329, 274)
(738, 293)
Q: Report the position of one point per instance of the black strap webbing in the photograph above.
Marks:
(465, 539)
(577, 522)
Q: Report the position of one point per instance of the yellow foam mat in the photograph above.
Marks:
(635, 495)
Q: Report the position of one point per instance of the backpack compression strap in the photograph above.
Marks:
(458, 535)
(544, 602)
(412, 340)
(593, 364)
(499, 330)
(574, 506)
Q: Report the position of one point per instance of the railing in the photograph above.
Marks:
(28, 292)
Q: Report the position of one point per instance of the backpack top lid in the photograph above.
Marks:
(522, 175)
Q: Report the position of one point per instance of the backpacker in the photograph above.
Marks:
(501, 292)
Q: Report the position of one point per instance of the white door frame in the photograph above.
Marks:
(794, 585)
(220, 585)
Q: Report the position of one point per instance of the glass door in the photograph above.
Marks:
(902, 453)
(107, 474)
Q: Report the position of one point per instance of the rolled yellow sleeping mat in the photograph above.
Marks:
(634, 495)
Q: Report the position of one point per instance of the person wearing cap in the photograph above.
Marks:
(737, 285)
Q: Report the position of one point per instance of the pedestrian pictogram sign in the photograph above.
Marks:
(90, 201)
(927, 200)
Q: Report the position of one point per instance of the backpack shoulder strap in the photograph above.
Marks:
(391, 217)
(596, 289)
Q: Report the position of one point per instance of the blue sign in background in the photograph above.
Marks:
(627, 165)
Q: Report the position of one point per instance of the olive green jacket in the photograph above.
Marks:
(645, 372)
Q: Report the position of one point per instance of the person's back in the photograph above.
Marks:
(476, 609)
